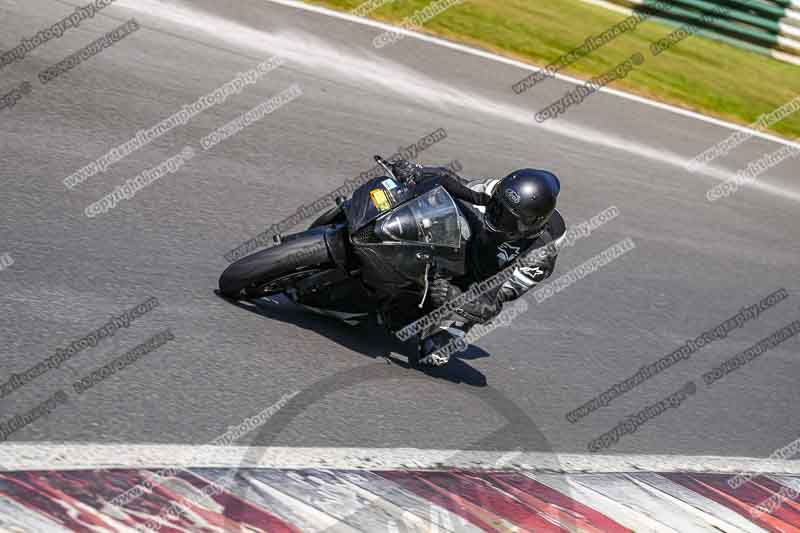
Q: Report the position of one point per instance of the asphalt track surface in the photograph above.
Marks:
(695, 263)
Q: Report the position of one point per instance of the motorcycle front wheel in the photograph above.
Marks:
(274, 269)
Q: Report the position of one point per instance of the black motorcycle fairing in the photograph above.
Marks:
(407, 242)
(393, 267)
(336, 239)
(361, 209)
(334, 215)
(335, 290)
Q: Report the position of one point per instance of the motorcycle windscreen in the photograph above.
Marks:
(431, 219)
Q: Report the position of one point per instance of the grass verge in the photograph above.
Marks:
(699, 74)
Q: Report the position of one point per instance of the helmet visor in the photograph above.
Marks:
(502, 220)
(534, 226)
(499, 218)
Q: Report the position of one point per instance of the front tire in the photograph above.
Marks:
(297, 254)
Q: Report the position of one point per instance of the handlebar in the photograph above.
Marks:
(389, 167)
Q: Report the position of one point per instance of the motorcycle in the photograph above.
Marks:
(389, 238)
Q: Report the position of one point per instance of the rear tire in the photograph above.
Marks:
(297, 254)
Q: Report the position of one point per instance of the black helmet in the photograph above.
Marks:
(522, 203)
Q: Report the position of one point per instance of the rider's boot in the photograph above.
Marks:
(436, 349)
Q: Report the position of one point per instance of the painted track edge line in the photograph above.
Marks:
(52, 456)
(297, 4)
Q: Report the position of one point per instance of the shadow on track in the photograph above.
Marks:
(368, 338)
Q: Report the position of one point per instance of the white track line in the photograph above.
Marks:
(528, 67)
(49, 456)
(308, 51)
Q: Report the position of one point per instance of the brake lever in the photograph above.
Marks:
(430, 263)
(427, 286)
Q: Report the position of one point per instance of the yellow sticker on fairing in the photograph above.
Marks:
(379, 200)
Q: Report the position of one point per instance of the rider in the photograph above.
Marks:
(507, 218)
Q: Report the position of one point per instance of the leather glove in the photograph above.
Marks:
(441, 291)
